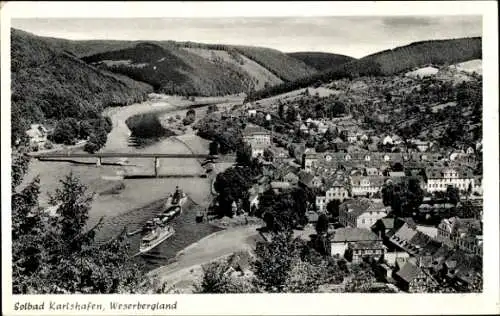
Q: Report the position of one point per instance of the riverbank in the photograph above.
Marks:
(205, 250)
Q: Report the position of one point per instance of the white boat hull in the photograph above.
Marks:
(154, 244)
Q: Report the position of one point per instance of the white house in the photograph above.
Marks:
(362, 213)
(366, 185)
(37, 135)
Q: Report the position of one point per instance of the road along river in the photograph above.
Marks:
(138, 199)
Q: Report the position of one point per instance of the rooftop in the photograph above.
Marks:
(408, 272)
(350, 234)
(251, 129)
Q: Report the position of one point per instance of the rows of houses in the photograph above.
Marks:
(369, 171)
(403, 255)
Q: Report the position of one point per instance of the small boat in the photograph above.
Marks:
(178, 198)
(158, 234)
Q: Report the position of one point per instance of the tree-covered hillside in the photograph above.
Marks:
(321, 61)
(172, 71)
(49, 86)
(283, 66)
(439, 52)
(389, 62)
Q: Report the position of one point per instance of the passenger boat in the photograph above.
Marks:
(158, 233)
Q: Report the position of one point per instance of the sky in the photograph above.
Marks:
(352, 36)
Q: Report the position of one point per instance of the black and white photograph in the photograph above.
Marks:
(246, 155)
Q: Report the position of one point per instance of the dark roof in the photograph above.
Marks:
(367, 245)
(409, 272)
(350, 234)
(387, 222)
(305, 178)
(254, 129)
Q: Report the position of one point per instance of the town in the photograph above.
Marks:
(406, 209)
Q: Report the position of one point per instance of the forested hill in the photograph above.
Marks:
(389, 62)
(174, 70)
(50, 85)
(201, 69)
(321, 61)
(437, 52)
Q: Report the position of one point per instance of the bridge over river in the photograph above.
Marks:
(97, 159)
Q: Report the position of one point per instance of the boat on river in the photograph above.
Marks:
(178, 198)
(170, 213)
(157, 233)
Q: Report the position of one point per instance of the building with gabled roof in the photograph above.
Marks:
(366, 185)
(362, 213)
(413, 279)
(342, 237)
(438, 179)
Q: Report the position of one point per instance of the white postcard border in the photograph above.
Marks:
(285, 304)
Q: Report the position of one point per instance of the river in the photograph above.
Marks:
(140, 198)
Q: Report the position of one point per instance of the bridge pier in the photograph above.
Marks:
(157, 166)
(98, 162)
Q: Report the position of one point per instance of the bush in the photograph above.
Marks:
(108, 124)
(188, 120)
(147, 126)
(48, 145)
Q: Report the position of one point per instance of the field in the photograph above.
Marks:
(470, 66)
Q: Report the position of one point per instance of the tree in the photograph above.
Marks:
(452, 195)
(303, 277)
(191, 113)
(59, 254)
(281, 108)
(322, 224)
(286, 210)
(244, 154)
(387, 193)
(291, 114)
(274, 262)
(85, 129)
(217, 280)
(20, 164)
(213, 148)
(65, 132)
(268, 154)
(333, 208)
(92, 145)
